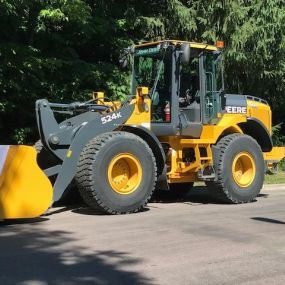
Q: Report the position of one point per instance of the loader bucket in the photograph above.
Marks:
(25, 191)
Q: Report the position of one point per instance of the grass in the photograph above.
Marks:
(278, 178)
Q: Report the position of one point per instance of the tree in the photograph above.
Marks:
(64, 49)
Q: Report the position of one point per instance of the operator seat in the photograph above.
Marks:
(189, 101)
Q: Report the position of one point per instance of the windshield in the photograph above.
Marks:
(152, 66)
(152, 69)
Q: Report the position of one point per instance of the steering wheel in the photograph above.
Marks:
(188, 97)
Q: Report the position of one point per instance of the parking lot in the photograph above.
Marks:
(187, 241)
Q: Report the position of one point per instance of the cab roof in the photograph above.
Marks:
(176, 42)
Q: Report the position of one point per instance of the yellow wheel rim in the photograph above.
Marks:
(243, 169)
(124, 173)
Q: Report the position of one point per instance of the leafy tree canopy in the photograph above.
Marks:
(64, 49)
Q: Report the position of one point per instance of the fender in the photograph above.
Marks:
(256, 129)
(151, 140)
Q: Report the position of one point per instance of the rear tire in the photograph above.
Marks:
(239, 169)
(116, 173)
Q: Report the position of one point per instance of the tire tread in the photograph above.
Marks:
(85, 168)
(218, 189)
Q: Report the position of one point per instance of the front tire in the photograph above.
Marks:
(116, 173)
(239, 168)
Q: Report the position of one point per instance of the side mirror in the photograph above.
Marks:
(185, 53)
(125, 56)
(123, 60)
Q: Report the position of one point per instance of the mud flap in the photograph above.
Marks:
(25, 191)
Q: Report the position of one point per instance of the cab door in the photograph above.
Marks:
(211, 86)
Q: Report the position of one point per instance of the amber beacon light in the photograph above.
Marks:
(220, 44)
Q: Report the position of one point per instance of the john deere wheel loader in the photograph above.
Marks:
(178, 126)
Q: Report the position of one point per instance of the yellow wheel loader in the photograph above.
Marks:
(178, 126)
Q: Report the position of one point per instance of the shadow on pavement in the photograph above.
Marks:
(37, 256)
(263, 195)
(22, 221)
(198, 194)
(89, 211)
(268, 220)
(57, 210)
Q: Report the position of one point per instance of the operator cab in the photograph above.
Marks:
(185, 84)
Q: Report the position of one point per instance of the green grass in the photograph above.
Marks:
(277, 178)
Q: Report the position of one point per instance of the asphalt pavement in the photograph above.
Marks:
(174, 241)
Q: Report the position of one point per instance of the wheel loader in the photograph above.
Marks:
(177, 127)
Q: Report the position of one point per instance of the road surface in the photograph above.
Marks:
(193, 241)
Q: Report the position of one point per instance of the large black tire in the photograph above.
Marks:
(94, 166)
(229, 187)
